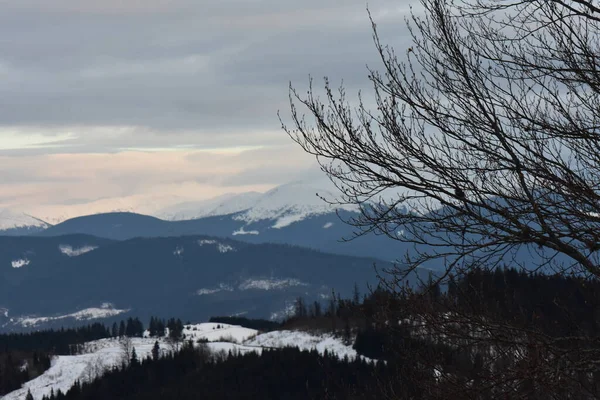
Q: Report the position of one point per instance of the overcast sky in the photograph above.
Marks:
(158, 101)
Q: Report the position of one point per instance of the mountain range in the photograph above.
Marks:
(294, 214)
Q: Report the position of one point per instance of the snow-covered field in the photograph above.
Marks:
(65, 370)
(103, 354)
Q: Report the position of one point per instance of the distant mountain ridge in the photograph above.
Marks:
(323, 232)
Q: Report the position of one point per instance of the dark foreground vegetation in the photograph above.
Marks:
(488, 335)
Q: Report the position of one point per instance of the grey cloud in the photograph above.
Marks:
(218, 65)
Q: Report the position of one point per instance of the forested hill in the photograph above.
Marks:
(192, 277)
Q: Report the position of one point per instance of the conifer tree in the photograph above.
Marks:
(134, 358)
(115, 330)
(156, 351)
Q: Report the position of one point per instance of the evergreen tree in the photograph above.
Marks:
(156, 351)
(134, 358)
(115, 330)
(122, 329)
(29, 395)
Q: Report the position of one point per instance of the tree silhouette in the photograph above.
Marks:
(483, 143)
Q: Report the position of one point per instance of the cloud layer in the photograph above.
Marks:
(113, 99)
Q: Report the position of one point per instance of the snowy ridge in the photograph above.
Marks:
(71, 252)
(104, 311)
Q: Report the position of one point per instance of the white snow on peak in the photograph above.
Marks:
(21, 262)
(221, 247)
(291, 203)
(222, 288)
(285, 205)
(4, 311)
(10, 219)
(242, 231)
(71, 252)
(328, 225)
(270, 284)
(104, 311)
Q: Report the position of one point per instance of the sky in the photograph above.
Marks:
(112, 104)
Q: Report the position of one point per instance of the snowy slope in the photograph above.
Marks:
(11, 219)
(284, 205)
(65, 370)
(304, 341)
(103, 354)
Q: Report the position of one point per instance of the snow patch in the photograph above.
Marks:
(222, 288)
(21, 262)
(104, 311)
(178, 251)
(241, 231)
(222, 248)
(328, 225)
(71, 252)
(270, 284)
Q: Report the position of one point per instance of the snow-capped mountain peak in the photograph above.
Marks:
(11, 219)
(284, 204)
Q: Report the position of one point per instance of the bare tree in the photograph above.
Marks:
(483, 141)
(489, 127)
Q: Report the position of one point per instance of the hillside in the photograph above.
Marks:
(51, 280)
